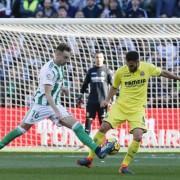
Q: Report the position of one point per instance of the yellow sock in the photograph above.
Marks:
(132, 150)
(98, 139)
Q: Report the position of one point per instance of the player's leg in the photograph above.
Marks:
(132, 150)
(111, 122)
(70, 122)
(35, 114)
(90, 115)
(101, 111)
(137, 129)
(20, 130)
(99, 139)
(78, 129)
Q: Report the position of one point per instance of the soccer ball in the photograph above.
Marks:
(116, 148)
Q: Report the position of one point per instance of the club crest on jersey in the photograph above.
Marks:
(48, 76)
(142, 73)
(127, 75)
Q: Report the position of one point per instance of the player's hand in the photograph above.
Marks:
(109, 107)
(65, 91)
(105, 103)
(79, 100)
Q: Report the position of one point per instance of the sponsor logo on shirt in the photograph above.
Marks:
(135, 83)
(97, 79)
(94, 73)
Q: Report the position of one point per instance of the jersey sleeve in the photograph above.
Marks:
(117, 79)
(48, 77)
(109, 76)
(154, 70)
(86, 82)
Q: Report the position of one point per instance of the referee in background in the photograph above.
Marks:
(100, 79)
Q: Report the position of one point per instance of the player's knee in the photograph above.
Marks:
(138, 138)
(105, 127)
(24, 127)
(21, 130)
(137, 135)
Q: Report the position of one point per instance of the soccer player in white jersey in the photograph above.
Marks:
(47, 104)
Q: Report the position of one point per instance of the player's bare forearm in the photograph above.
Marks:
(48, 89)
(111, 93)
(169, 75)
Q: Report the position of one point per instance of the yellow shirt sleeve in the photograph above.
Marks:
(117, 79)
(154, 70)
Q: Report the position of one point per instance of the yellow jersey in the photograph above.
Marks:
(133, 86)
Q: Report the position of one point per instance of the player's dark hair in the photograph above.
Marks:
(63, 47)
(132, 56)
(98, 52)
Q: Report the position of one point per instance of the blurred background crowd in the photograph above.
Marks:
(89, 8)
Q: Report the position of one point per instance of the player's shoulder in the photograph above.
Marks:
(47, 67)
(48, 64)
(146, 64)
(90, 70)
(122, 69)
(106, 69)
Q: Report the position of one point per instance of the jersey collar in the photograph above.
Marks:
(55, 64)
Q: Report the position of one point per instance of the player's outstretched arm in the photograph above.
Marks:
(169, 75)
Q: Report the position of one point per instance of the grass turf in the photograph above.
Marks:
(62, 166)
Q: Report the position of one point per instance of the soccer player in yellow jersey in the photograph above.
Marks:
(132, 79)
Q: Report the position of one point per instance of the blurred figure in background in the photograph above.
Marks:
(79, 14)
(176, 12)
(99, 78)
(91, 10)
(48, 9)
(71, 10)
(2, 9)
(62, 13)
(165, 8)
(104, 5)
(29, 8)
(115, 9)
(136, 11)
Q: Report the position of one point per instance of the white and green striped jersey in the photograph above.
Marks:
(51, 74)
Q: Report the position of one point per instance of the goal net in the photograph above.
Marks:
(25, 45)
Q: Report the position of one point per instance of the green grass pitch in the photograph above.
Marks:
(62, 166)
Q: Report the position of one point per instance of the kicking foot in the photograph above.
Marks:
(124, 170)
(102, 152)
(87, 162)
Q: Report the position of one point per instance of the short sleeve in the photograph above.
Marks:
(154, 70)
(117, 79)
(48, 78)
